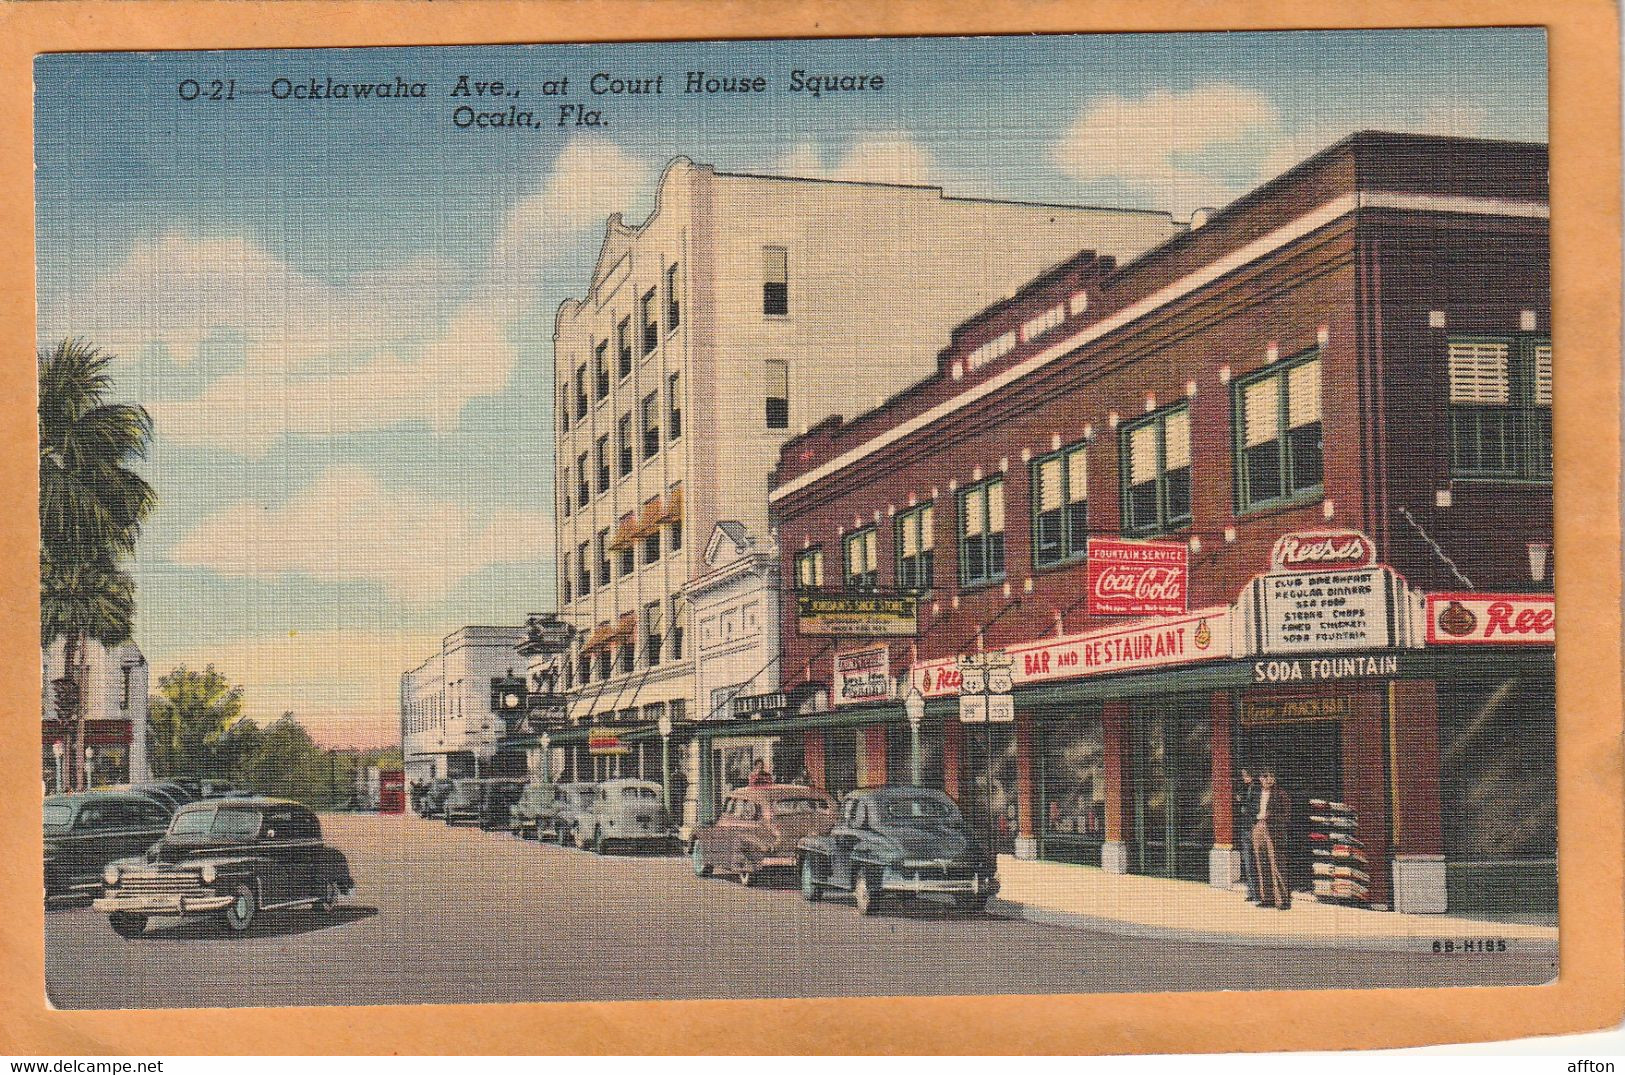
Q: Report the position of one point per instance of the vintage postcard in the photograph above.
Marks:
(888, 516)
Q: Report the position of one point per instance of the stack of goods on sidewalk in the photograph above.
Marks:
(1339, 857)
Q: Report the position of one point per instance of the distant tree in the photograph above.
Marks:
(194, 724)
(91, 508)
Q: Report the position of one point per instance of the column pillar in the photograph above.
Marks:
(1026, 790)
(1413, 730)
(952, 739)
(1114, 729)
(812, 757)
(1223, 861)
(874, 755)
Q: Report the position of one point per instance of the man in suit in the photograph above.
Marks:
(1246, 814)
(1270, 843)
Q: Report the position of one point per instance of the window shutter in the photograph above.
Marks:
(975, 512)
(995, 508)
(1077, 476)
(1142, 454)
(1176, 441)
(1478, 373)
(1049, 485)
(1261, 412)
(1543, 375)
(1303, 395)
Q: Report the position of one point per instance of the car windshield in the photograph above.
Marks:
(231, 821)
(911, 809)
(58, 817)
(638, 793)
(191, 821)
(800, 806)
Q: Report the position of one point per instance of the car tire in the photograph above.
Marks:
(811, 890)
(971, 904)
(330, 898)
(865, 892)
(243, 909)
(747, 877)
(127, 924)
(696, 857)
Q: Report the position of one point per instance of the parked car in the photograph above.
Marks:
(432, 801)
(898, 841)
(226, 789)
(535, 809)
(87, 830)
(173, 795)
(497, 803)
(234, 857)
(623, 813)
(759, 829)
(464, 802)
(570, 803)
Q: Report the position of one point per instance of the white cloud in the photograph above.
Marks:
(875, 158)
(345, 526)
(592, 178)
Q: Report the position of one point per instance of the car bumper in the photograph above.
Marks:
(777, 859)
(171, 903)
(916, 883)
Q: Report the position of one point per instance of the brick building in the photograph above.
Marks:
(1325, 412)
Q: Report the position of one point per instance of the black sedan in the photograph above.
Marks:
(86, 831)
(232, 857)
(898, 841)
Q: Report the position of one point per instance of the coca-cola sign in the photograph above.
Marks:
(1322, 550)
(1137, 578)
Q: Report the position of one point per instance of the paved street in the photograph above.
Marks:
(458, 915)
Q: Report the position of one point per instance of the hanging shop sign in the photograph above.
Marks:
(1325, 669)
(1197, 636)
(1137, 578)
(1313, 612)
(749, 705)
(860, 615)
(1490, 619)
(1295, 710)
(604, 741)
(1322, 550)
(863, 676)
(940, 678)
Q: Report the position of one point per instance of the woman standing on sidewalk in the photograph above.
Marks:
(1270, 832)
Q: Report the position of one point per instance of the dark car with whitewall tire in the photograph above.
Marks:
(228, 857)
(497, 804)
(87, 830)
(896, 842)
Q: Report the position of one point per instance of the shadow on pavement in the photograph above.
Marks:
(268, 924)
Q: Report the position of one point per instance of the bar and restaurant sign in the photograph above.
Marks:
(1491, 619)
(859, 615)
(863, 676)
(1137, 578)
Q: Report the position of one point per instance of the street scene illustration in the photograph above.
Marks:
(796, 519)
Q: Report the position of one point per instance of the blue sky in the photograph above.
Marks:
(341, 313)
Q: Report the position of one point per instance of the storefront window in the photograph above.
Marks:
(981, 784)
(1072, 788)
(840, 761)
(1170, 787)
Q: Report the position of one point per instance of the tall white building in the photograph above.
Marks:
(745, 309)
(449, 723)
(113, 681)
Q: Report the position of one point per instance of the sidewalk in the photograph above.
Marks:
(1085, 897)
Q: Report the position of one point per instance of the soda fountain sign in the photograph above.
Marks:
(1491, 619)
(1322, 550)
(1137, 578)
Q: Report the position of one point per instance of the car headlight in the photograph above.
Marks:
(110, 875)
(208, 873)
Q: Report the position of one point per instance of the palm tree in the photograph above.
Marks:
(92, 506)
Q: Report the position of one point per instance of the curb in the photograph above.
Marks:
(1047, 916)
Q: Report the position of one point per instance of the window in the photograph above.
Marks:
(564, 486)
(625, 654)
(601, 369)
(679, 708)
(652, 633)
(600, 549)
(1501, 408)
(1155, 471)
(603, 663)
(602, 460)
(1277, 415)
(582, 491)
(623, 443)
(569, 577)
(776, 379)
(981, 533)
(651, 544)
(810, 569)
(651, 327)
(676, 641)
(564, 410)
(623, 346)
(775, 280)
(581, 393)
(916, 549)
(624, 566)
(674, 406)
(674, 540)
(1060, 500)
(651, 425)
(673, 306)
(583, 570)
(860, 560)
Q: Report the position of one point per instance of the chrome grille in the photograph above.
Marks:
(160, 883)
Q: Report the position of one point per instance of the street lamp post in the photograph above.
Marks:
(665, 760)
(90, 767)
(914, 707)
(56, 752)
(546, 743)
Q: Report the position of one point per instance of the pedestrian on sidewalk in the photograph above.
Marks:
(1246, 800)
(1269, 833)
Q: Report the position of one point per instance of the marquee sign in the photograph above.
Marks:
(863, 676)
(1491, 619)
(1137, 578)
(858, 615)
